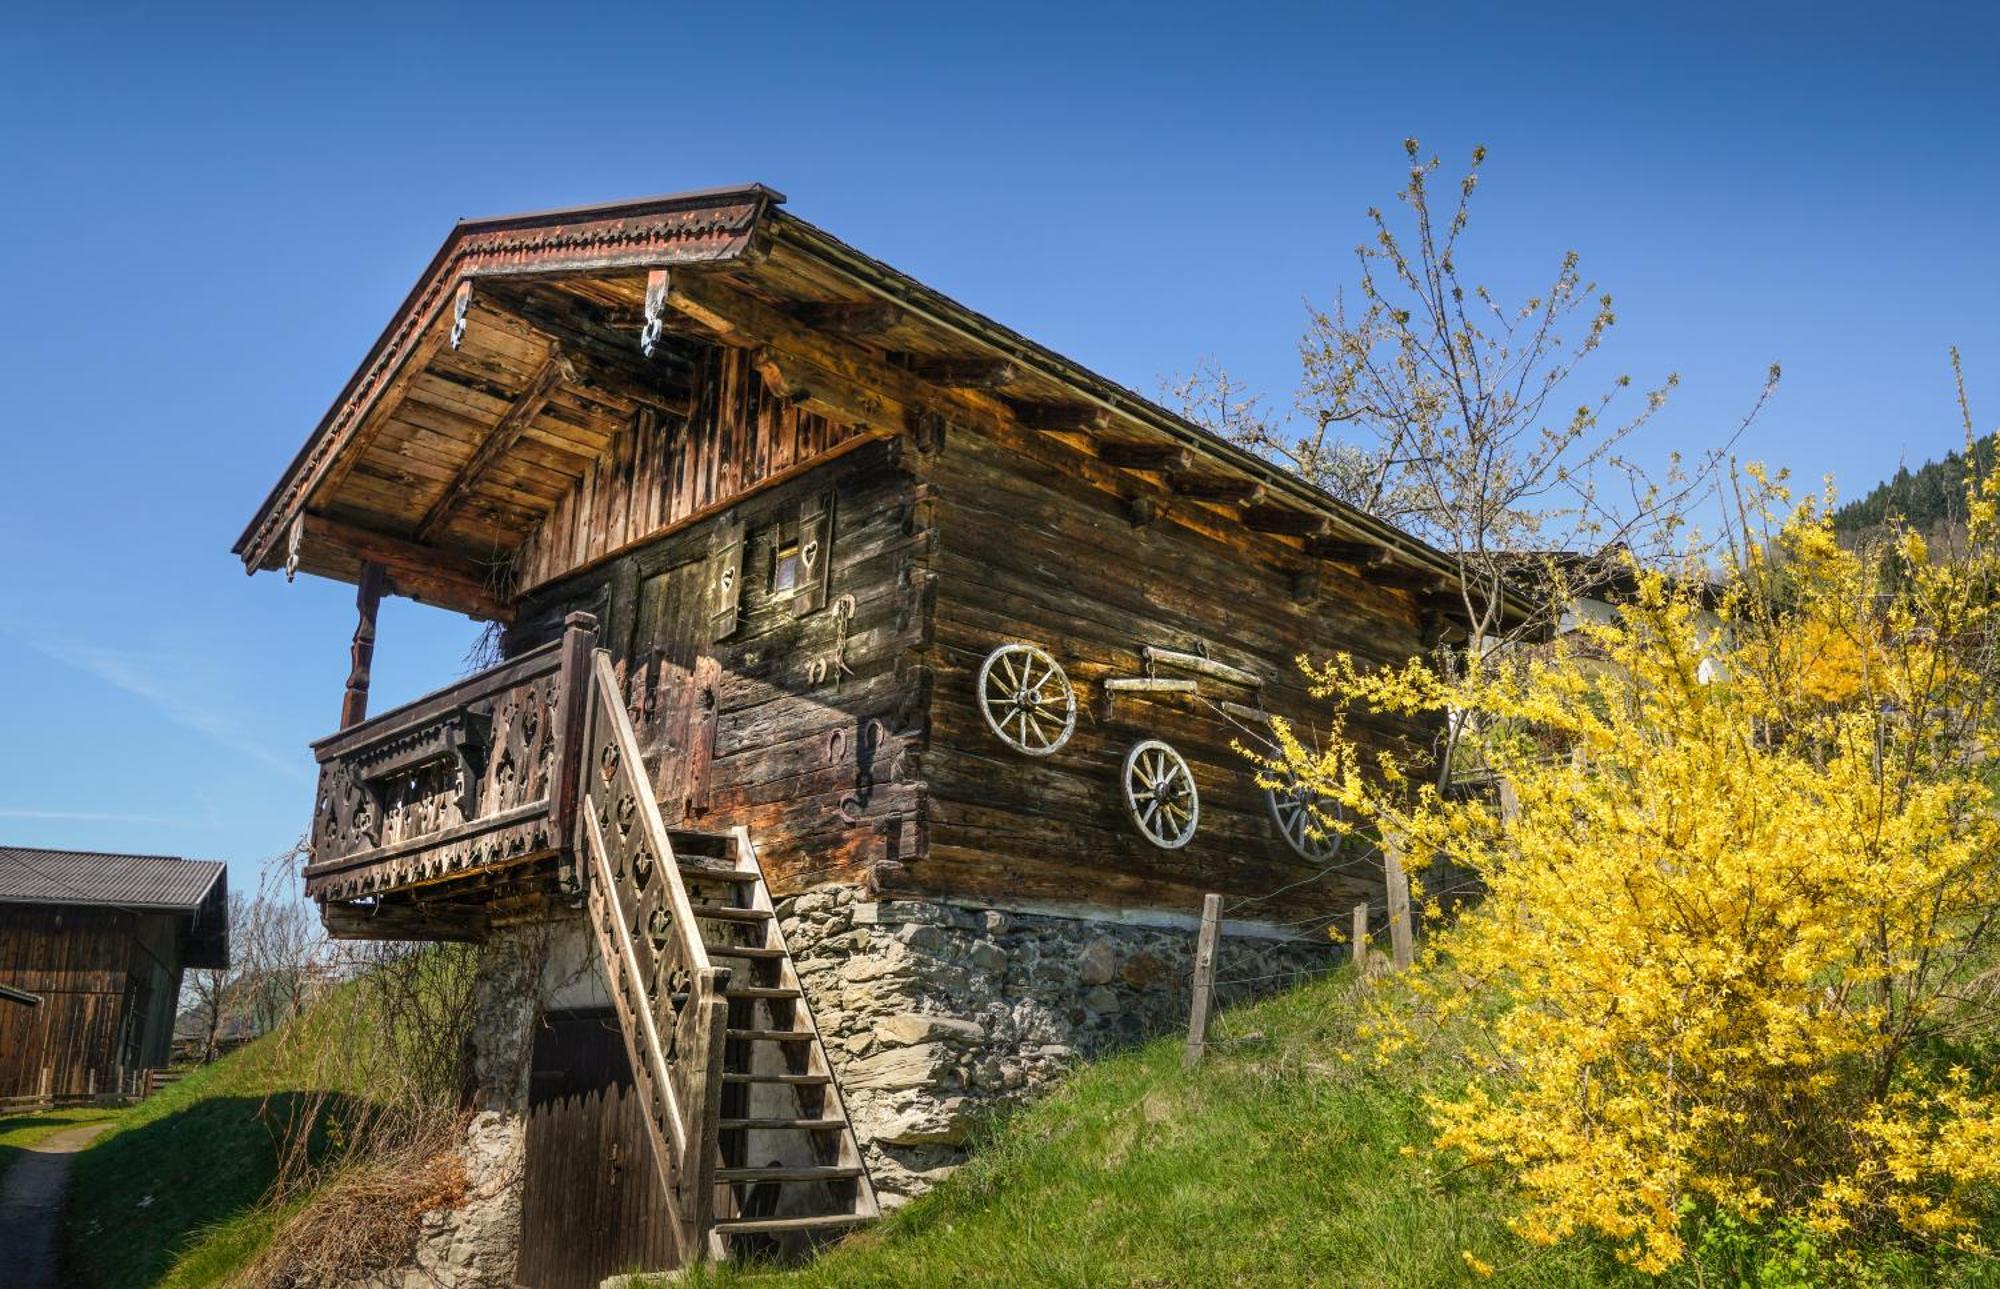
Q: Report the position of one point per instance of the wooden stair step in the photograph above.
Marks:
(780, 1225)
(703, 873)
(727, 913)
(741, 951)
(692, 841)
(784, 1125)
(768, 993)
(796, 1080)
(771, 1035)
(790, 1173)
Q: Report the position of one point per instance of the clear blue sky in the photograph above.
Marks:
(210, 214)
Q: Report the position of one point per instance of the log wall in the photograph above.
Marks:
(848, 739)
(1037, 542)
(818, 713)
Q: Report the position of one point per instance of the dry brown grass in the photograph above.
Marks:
(365, 1217)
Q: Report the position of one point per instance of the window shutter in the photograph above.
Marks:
(815, 553)
(725, 578)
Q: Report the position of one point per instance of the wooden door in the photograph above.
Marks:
(591, 1201)
(673, 685)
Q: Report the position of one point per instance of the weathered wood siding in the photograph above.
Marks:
(99, 971)
(816, 713)
(1037, 544)
(664, 468)
(848, 739)
(591, 1201)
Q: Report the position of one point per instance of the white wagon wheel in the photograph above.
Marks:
(1026, 699)
(1160, 795)
(1309, 820)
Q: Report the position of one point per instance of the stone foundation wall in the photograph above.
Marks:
(935, 1014)
(472, 1246)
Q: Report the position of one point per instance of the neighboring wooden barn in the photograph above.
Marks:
(866, 719)
(100, 941)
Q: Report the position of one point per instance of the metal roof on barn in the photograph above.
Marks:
(160, 882)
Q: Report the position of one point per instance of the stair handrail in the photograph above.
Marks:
(684, 1120)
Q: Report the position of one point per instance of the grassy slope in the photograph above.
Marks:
(178, 1180)
(1277, 1162)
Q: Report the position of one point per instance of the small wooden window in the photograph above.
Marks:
(785, 566)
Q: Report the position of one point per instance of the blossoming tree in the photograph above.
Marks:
(1736, 949)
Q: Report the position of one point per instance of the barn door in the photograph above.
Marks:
(668, 675)
(591, 1201)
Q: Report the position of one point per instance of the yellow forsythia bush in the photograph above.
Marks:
(1737, 939)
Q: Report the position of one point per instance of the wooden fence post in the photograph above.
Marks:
(1204, 977)
(1359, 953)
(1399, 902)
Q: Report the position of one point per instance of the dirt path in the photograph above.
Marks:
(31, 1202)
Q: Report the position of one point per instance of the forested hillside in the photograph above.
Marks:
(1932, 493)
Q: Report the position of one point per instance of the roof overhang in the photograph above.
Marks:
(775, 265)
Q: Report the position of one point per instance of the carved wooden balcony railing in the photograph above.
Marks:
(670, 999)
(477, 775)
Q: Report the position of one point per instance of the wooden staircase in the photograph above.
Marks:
(749, 1131)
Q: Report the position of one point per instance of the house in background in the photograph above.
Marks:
(102, 941)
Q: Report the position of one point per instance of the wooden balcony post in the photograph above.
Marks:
(572, 717)
(367, 602)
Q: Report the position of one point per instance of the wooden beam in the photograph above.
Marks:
(512, 424)
(1423, 581)
(848, 317)
(853, 386)
(1363, 555)
(1175, 660)
(1215, 487)
(597, 339)
(1144, 456)
(1060, 418)
(797, 380)
(420, 572)
(665, 291)
(966, 373)
(361, 651)
(462, 923)
(1283, 519)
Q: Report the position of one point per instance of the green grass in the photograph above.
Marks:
(20, 1131)
(171, 1195)
(1277, 1162)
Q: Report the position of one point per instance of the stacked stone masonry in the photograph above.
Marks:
(934, 1015)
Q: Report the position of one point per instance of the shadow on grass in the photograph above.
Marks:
(143, 1196)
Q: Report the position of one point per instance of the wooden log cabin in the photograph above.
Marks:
(869, 681)
(93, 948)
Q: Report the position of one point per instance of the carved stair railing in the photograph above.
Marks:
(670, 999)
(476, 775)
